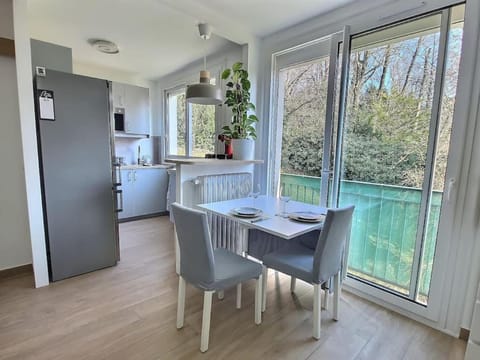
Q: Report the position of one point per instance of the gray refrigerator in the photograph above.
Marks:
(77, 172)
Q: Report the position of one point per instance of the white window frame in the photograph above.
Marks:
(177, 90)
(433, 313)
(181, 88)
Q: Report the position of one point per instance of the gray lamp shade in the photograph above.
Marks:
(204, 94)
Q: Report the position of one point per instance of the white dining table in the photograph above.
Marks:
(269, 222)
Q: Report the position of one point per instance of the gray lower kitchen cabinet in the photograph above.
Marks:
(128, 195)
(144, 192)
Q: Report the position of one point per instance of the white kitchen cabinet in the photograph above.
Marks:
(137, 110)
(144, 192)
(118, 94)
(128, 195)
(135, 101)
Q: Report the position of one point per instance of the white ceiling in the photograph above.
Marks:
(157, 37)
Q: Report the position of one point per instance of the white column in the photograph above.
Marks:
(29, 141)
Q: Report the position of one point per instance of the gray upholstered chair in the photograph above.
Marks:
(207, 269)
(318, 265)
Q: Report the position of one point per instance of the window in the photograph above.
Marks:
(203, 129)
(190, 128)
(176, 126)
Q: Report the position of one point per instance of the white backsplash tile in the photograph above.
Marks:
(127, 147)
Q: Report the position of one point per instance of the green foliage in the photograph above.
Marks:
(237, 97)
(203, 123)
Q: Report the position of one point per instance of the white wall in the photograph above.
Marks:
(128, 148)
(14, 237)
(463, 252)
(216, 63)
(109, 74)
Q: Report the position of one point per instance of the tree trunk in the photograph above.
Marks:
(386, 62)
(422, 82)
(412, 62)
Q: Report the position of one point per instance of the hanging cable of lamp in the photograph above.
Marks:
(204, 93)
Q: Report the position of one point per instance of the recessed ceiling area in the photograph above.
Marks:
(157, 37)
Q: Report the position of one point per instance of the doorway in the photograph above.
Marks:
(383, 145)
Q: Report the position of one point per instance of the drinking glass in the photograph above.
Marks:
(284, 199)
(255, 194)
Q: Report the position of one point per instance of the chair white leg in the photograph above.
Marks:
(239, 296)
(293, 283)
(264, 288)
(258, 300)
(221, 295)
(207, 310)
(316, 310)
(336, 295)
(180, 302)
(325, 299)
(177, 252)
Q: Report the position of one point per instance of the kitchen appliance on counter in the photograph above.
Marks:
(80, 185)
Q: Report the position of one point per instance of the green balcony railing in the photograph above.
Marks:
(384, 229)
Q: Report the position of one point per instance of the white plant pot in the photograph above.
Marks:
(243, 149)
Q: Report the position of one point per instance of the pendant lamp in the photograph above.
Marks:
(204, 93)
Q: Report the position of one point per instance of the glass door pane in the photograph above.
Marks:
(303, 122)
(395, 149)
(445, 125)
(387, 125)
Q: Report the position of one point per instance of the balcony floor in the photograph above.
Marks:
(128, 312)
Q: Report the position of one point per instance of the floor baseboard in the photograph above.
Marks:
(17, 270)
(142, 217)
(464, 334)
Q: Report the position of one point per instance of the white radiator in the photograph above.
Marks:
(210, 188)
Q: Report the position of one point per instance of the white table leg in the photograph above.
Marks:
(258, 300)
(264, 288)
(293, 283)
(239, 296)
(325, 299)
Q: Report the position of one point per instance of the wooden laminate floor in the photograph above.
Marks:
(128, 312)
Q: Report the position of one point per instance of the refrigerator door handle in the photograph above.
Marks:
(119, 194)
(117, 181)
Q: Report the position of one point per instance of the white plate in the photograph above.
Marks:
(246, 212)
(307, 216)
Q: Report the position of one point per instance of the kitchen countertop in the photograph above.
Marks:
(139, 167)
(203, 161)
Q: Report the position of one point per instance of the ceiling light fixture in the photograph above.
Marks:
(104, 46)
(204, 93)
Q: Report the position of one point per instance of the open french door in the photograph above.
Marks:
(367, 119)
(392, 161)
(305, 110)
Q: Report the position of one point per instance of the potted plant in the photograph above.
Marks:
(241, 131)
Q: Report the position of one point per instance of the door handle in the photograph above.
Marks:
(117, 181)
(134, 176)
(129, 176)
(119, 194)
